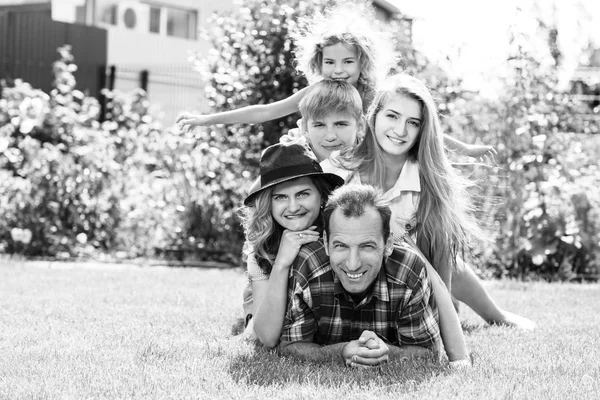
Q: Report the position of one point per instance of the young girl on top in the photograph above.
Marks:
(340, 44)
(403, 153)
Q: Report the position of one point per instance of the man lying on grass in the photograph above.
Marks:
(353, 296)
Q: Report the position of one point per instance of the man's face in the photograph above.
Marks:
(331, 132)
(356, 249)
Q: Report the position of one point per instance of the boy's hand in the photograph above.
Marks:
(481, 152)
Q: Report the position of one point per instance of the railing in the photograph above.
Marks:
(171, 89)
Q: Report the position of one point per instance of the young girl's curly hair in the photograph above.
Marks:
(350, 23)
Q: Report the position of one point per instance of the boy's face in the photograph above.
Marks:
(331, 132)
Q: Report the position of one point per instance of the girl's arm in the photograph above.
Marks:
(450, 329)
(270, 297)
(246, 115)
(471, 150)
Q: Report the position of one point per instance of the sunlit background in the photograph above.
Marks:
(150, 189)
(469, 38)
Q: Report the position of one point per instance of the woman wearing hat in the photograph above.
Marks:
(281, 213)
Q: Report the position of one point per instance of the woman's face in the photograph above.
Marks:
(295, 204)
(397, 125)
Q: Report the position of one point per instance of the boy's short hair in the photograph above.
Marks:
(328, 97)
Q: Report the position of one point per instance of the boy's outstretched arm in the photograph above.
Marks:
(246, 115)
(471, 150)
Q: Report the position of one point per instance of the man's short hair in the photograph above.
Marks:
(353, 201)
(328, 97)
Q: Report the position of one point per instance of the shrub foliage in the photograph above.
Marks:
(126, 186)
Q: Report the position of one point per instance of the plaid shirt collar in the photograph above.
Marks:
(379, 289)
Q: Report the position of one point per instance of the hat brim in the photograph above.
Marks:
(333, 179)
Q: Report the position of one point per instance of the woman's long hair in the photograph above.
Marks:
(263, 232)
(446, 224)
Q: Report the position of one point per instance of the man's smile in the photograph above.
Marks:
(354, 277)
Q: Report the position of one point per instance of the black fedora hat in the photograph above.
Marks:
(284, 161)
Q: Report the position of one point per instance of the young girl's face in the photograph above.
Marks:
(397, 125)
(295, 204)
(340, 62)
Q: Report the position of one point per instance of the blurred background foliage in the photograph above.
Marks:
(71, 186)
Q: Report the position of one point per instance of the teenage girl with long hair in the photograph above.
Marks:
(403, 153)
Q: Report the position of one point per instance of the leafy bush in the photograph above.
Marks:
(544, 219)
(56, 179)
(77, 187)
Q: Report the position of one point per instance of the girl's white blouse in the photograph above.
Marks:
(403, 197)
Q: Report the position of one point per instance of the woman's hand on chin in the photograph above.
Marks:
(290, 244)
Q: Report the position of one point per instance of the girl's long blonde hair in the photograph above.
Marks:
(445, 220)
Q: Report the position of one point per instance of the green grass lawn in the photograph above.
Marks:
(117, 331)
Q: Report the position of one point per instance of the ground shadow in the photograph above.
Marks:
(262, 367)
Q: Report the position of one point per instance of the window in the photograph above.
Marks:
(73, 11)
(149, 16)
(155, 13)
(181, 23)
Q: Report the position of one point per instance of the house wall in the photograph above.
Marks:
(20, 2)
(28, 42)
(173, 85)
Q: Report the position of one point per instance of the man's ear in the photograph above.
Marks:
(389, 246)
(326, 243)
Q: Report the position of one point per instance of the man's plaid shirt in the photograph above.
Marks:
(400, 308)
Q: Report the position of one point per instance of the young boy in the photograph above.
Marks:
(332, 117)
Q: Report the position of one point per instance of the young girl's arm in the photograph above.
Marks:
(471, 150)
(270, 297)
(450, 328)
(246, 115)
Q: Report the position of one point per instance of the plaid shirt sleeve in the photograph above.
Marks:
(299, 324)
(418, 320)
